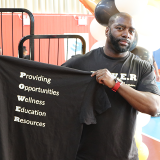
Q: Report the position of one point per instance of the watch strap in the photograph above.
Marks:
(117, 85)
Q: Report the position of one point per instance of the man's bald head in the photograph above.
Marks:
(120, 32)
(113, 18)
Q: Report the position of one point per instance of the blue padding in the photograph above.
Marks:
(153, 128)
(158, 83)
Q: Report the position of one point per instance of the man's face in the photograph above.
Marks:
(115, 42)
(25, 53)
(121, 34)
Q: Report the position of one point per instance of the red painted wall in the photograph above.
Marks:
(11, 33)
(44, 24)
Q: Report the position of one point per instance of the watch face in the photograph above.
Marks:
(119, 80)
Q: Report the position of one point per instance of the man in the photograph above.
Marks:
(112, 138)
(156, 55)
(25, 53)
(157, 79)
(156, 70)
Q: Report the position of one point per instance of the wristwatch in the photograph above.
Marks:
(117, 85)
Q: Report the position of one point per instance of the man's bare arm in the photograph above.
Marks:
(145, 102)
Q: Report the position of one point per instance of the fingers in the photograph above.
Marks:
(99, 72)
(100, 79)
(101, 75)
(104, 76)
(93, 74)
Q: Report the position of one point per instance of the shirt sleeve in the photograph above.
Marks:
(95, 102)
(147, 82)
(72, 61)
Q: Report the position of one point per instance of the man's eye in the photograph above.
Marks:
(132, 31)
(119, 28)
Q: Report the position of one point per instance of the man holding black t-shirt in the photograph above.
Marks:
(130, 85)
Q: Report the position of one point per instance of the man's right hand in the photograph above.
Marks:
(104, 76)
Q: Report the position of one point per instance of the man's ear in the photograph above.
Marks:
(107, 31)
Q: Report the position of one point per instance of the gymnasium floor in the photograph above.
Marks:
(151, 136)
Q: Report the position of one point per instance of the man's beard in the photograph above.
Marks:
(115, 44)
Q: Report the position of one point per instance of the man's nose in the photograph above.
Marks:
(126, 33)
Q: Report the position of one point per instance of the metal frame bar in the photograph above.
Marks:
(31, 25)
(32, 37)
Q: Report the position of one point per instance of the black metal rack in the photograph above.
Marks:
(32, 37)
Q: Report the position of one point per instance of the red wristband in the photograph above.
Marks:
(116, 86)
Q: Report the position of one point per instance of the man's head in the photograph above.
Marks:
(120, 32)
(24, 51)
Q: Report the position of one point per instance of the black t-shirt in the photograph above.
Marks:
(26, 57)
(42, 108)
(112, 137)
